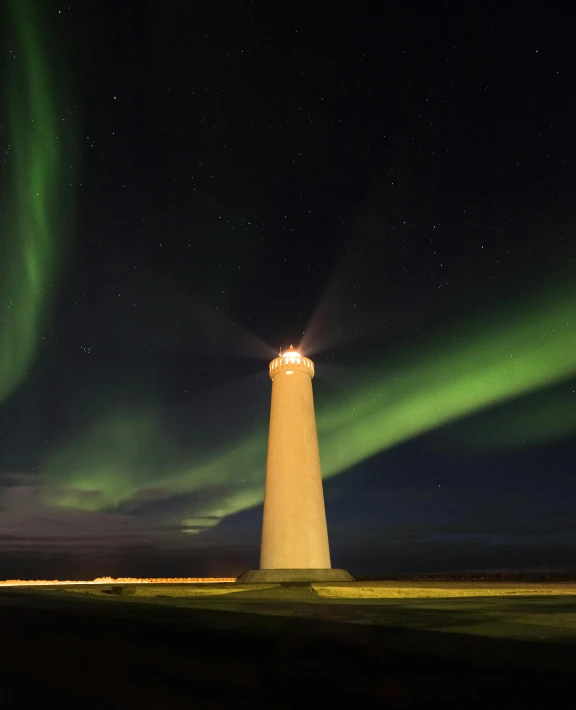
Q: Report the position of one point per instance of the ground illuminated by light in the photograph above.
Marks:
(112, 580)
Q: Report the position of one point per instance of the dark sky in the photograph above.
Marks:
(188, 187)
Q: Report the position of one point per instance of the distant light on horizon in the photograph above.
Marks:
(112, 580)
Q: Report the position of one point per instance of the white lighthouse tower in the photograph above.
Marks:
(294, 531)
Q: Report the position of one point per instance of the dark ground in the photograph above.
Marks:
(86, 651)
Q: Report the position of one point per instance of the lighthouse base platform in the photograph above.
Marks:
(267, 576)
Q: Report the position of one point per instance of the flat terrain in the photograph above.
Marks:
(288, 646)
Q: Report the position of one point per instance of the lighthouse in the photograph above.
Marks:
(294, 531)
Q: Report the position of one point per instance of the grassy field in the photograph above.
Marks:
(438, 590)
(283, 647)
(165, 590)
(342, 590)
(527, 611)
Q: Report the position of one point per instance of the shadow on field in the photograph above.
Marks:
(112, 653)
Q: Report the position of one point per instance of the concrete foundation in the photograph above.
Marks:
(271, 576)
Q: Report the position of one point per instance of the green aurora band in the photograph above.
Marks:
(520, 352)
(31, 216)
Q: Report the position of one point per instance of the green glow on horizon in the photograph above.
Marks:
(512, 355)
(544, 417)
(30, 223)
(108, 464)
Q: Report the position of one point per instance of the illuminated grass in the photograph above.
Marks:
(185, 590)
(171, 590)
(390, 590)
(196, 587)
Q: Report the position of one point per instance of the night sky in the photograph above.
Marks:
(187, 187)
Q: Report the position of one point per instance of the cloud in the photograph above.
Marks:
(27, 523)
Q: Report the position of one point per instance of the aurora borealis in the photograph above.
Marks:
(528, 349)
(33, 212)
(171, 217)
